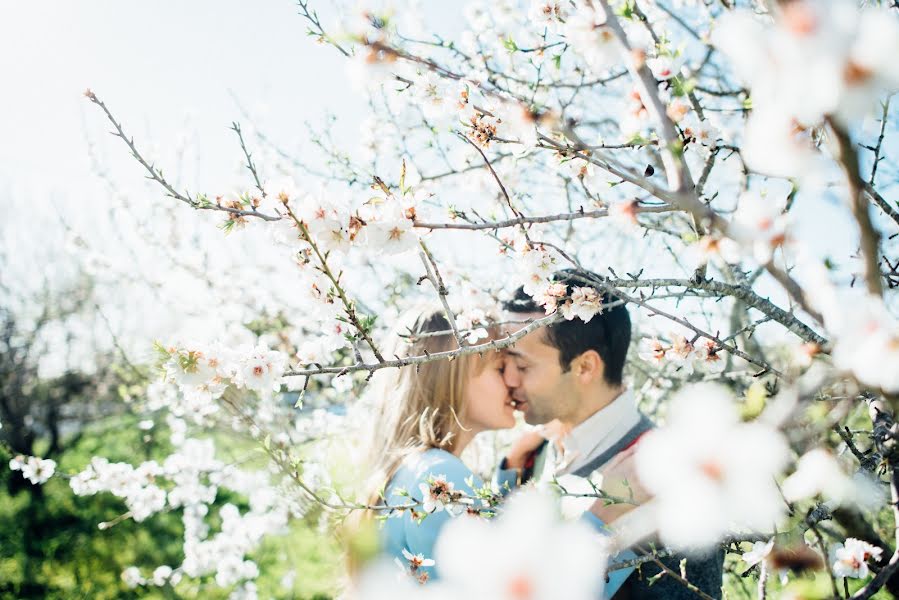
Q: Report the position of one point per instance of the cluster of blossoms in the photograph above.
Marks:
(532, 554)
(781, 559)
(759, 227)
(865, 336)
(192, 475)
(483, 117)
(34, 469)
(334, 223)
(581, 303)
(329, 224)
(188, 471)
(536, 266)
(137, 486)
(818, 59)
(207, 370)
(549, 13)
(161, 576)
(683, 354)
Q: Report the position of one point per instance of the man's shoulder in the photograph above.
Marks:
(704, 572)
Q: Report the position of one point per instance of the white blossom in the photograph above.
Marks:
(34, 469)
(819, 472)
(652, 350)
(261, 370)
(414, 562)
(710, 356)
(548, 13)
(758, 552)
(681, 353)
(525, 553)
(161, 575)
(389, 228)
(759, 225)
(709, 472)
(437, 494)
(590, 37)
(132, 577)
(867, 343)
(665, 67)
(850, 559)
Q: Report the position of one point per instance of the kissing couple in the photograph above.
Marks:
(568, 377)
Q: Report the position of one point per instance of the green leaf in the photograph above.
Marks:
(681, 87)
(638, 139)
(403, 178)
(557, 60)
(626, 10)
(510, 45)
(227, 226)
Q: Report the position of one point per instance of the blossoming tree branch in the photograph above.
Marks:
(677, 157)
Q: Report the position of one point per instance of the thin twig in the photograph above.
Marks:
(235, 127)
(157, 176)
(494, 345)
(437, 281)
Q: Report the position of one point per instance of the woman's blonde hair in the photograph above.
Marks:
(421, 406)
(415, 408)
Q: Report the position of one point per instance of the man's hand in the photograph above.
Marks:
(619, 480)
(530, 441)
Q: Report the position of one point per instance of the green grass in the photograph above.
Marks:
(51, 547)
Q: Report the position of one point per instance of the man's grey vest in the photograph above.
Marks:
(705, 572)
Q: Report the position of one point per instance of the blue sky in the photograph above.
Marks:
(173, 71)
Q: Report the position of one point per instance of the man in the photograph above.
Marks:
(572, 371)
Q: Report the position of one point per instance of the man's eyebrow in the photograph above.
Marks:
(515, 353)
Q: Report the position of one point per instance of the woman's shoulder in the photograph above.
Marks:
(431, 463)
(435, 461)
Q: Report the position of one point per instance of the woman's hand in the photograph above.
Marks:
(530, 441)
(620, 481)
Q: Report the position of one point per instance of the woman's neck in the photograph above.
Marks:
(462, 439)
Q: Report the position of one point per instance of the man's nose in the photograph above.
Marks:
(511, 376)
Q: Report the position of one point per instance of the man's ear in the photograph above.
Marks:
(588, 367)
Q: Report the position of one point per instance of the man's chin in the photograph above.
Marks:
(534, 419)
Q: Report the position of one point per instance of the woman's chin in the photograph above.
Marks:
(508, 421)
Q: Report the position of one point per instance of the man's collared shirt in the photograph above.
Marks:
(596, 434)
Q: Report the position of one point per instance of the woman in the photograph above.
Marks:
(426, 416)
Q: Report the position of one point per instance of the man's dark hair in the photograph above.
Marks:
(608, 332)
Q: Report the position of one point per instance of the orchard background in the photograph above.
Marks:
(192, 306)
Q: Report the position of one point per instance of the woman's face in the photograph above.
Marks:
(488, 401)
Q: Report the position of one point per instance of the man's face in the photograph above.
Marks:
(535, 378)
